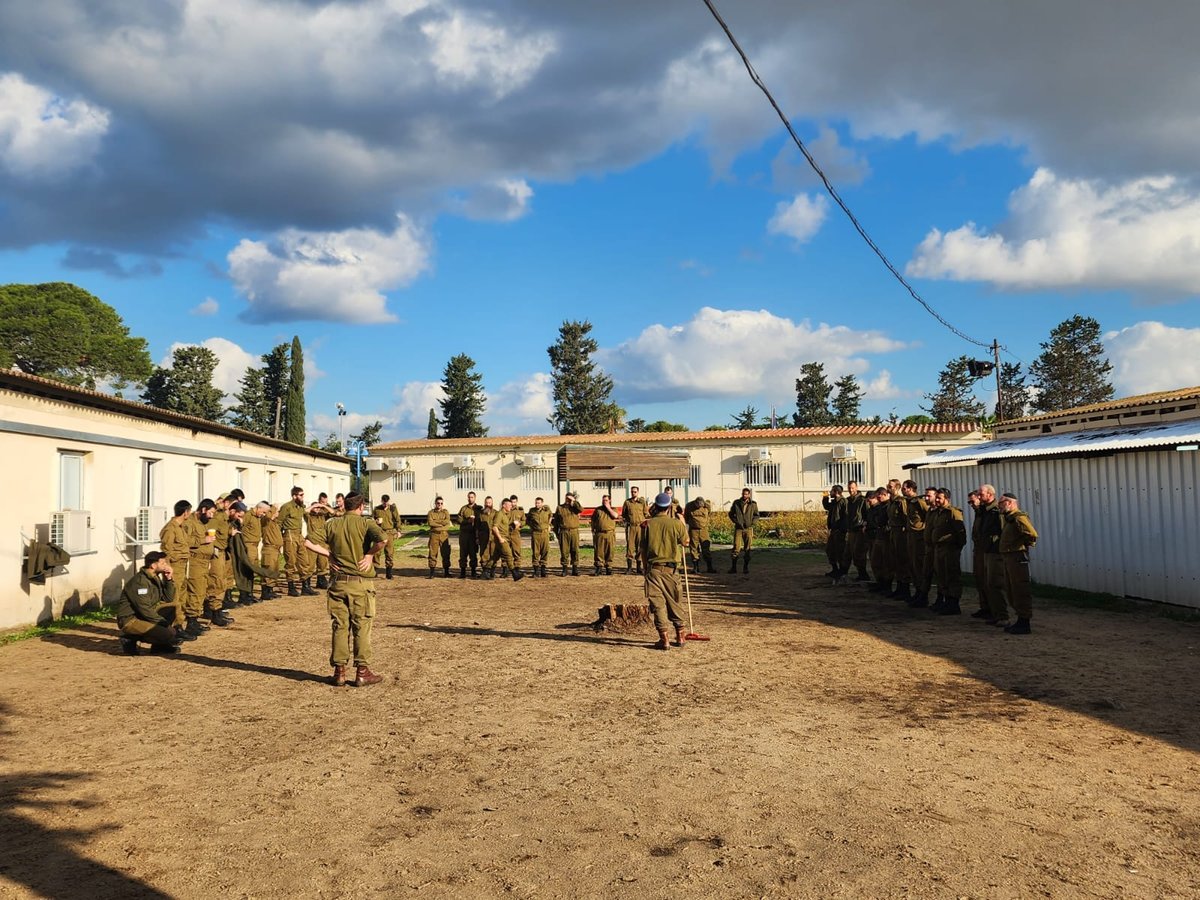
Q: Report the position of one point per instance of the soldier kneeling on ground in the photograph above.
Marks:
(147, 607)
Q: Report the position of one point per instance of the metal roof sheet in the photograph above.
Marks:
(1071, 443)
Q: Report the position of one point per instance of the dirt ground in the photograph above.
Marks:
(825, 743)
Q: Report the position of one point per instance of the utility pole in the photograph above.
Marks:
(278, 416)
(999, 396)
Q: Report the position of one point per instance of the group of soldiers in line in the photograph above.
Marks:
(915, 540)
(489, 537)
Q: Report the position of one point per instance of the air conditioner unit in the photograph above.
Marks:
(843, 451)
(465, 461)
(400, 464)
(759, 454)
(71, 529)
(375, 464)
(150, 522)
(533, 460)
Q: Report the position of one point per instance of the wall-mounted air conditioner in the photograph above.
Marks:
(150, 522)
(375, 464)
(533, 460)
(843, 451)
(71, 529)
(464, 461)
(399, 464)
(759, 454)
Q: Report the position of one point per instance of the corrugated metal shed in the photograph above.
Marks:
(1116, 511)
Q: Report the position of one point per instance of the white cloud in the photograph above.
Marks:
(43, 135)
(1151, 356)
(521, 406)
(1141, 235)
(413, 400)
(881, 387)
(232, 362)
(735, 353)
(206, 307)
(478, 53)
(505, 200)
(337, 276)
(800, 219)
(842, 165)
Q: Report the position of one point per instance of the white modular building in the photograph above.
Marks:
(99, 476)
(1110, 488)
(786, 468)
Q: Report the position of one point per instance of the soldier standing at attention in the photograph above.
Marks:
(897, 522)
(468, 547)
(634, 513)
(604, 534)
(742, 514)
(949, 536)
(663, 543)
(517, 514)
(501, 528)
(354, 541)
(978, 560)
(145, 610)
(438, 521)
(388, 519)
(200, 544)
(219, 582)
(857, 544)
(176, 538)
(1016, 540)
(567, 524)
(917, 508)
(696, 516)
(835, 521)
(272, 543)
(252, 534)
(993, 564)
(299, 565)
(483, 533)
(538, 519)
(316, 517)
(881, 548)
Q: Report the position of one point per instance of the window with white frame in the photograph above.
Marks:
(761, 474)
(841, 471)
(70, 480)
(537, 479)
(695, 476)
(270, 485)
(149, 491)
(673, 483)
(241, 478)
(608, 485)
(404, 482)
(469, 479)
(200, 470)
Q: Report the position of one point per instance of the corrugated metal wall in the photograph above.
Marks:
(1127, 524)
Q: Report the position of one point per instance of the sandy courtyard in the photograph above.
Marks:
(825, 743)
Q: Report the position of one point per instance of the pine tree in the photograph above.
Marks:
(746, 419)
(369, 435)
(431, 432)
(186, 387)
(1013, 392)
(812, 396)
(954, 400)
(582, 392)
(847, 402)
(464, 400)
(250, 411)
(635, 426)
(1072, 369)
(293, 404)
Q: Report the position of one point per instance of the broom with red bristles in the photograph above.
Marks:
(691, 633)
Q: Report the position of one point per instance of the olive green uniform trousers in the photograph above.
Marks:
(352, 613)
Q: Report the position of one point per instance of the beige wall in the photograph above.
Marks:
(802, 472)
(35, 434)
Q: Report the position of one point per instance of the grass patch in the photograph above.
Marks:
(106, 614)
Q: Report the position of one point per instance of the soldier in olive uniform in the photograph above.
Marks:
(517, 515)
(881, 546)
(438, 521)
(604, 535)
(299, 561)
(354, 542)
(1016, 540)
(483, 533)
(252, 534)
(146, 608)
(834, 504)
(218, 594)
(917, 509)
(468, 546)
(387, 517)
(200, 552)
(897, 522)
(242, 566)
(978, 560)
(272, 544)
(948, 535)
(857, 545)
(696, 516)
(501, 528)
(634, 513)
(566, 523)
(538, 520)
(663, 543)
(176, 541)
(990, 527)
(318, 514)
(742, 514)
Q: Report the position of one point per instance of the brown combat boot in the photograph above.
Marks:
(339, 676)
(662, 642)
(679, 632)
(365, 676)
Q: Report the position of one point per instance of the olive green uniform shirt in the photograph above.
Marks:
(438, 520)
(291, 516)
(142, 597)
(1017, 532)
(350, 538)
(539, 519)
(634, 512)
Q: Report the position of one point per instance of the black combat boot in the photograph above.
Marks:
(939, 603)
(489, 574)
(446, 570)
(746, 564)
(544, 575)
(708, 564)
(862, 576)
(432, 571)
(388, 573)
(564, 570)
(293, 591)
(322, 583)
(596, 572)
(129, 646)
(462, 572)
(919, 600)
(608, 570)
(228, 602)
(733, 567)
(266, 593)
(219, 617)
(628, 568)
(245, 598)
(195, 627)
(950, 607)
(474, 571)
(517, 574)
(638, 570)
(1021, 626)
(306, 589)
(575, 571)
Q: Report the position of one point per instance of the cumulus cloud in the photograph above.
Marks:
(521, 406)
(735, 353)
(330, 276)
(841, 164)
(881, 387)
(1151, 356)
(477, 52)
(206, 307)
(43, 135)
(86, 259)
(1139, 235)
(800, 219)
(232, 362)
(503, 201)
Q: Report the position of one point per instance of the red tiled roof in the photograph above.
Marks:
(754, 436)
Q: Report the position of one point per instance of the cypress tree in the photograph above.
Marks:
(462, 406)
(293, 404)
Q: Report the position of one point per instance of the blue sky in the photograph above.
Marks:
(397, 183)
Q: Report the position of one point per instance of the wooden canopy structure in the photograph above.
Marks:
(580, 462)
